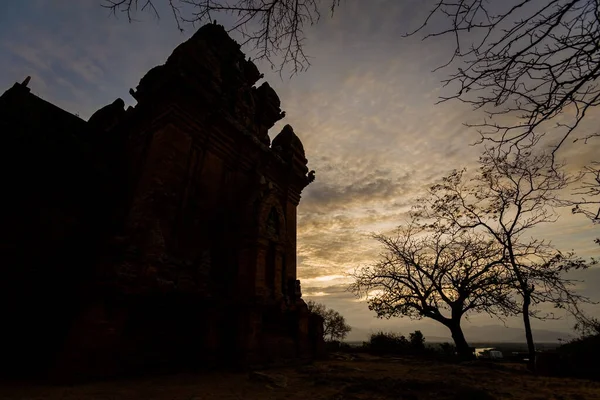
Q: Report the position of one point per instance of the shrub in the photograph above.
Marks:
(417, 341)
(448, 349)
(394, 343)
(387, 342)
(336, 345)
(579, 358)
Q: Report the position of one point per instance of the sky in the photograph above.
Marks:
(365, 111)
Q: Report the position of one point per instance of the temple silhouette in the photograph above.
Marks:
(157, 237)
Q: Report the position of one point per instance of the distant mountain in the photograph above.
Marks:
(477, 334)
(438, 339)
(358, 335)
(501, 334)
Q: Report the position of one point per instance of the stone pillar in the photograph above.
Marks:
(277, 284)
(249, 332)
(291, 240)
(247, 273)
(261, 261)
(211, 336)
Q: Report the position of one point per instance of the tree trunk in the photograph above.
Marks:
(528, 332)
(462, 347)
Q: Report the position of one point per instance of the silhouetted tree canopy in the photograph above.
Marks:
(436, 273)
(417, 340)
(513, 192)
(334, 323)
(390, 343)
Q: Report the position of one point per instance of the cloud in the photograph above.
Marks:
(365, 112)
(85, 58)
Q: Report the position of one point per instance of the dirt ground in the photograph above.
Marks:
(343, 377)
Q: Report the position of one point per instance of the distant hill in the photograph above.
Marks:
(501, 334)
(358, 335)
(478, 334)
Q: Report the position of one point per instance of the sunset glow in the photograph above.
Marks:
(365, 111)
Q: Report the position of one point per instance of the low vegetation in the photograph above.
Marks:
(385, 344)
(394, 343)
(577, 358)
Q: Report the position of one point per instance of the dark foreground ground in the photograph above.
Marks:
(344, 377)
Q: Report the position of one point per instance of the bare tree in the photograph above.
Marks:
(532, 60)
(531, 66)
(274, 29)
(587, 195)
(589, 190)
(587, 326)
(512, 193)
(316, 308)
(433, 273)
(334, 323)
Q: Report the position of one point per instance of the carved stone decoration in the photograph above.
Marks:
(288, 142)
(268, 110)
(297, 289)
(273, 224)
(108, 116)
(270, 212)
